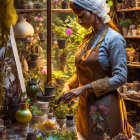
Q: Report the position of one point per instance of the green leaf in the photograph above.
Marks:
(94, 117)
(99, 126)
(101, 118)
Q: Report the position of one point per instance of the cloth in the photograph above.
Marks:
(98, 7)
(112, 55)
(98, 115)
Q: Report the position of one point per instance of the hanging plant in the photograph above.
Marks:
(8, 17)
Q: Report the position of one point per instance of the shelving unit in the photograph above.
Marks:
(43, 10)
(129, 10)
(132, 37)
(133, 66)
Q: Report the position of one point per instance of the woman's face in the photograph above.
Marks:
(85, 18)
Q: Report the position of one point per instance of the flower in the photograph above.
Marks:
(39, 72)
(36, 18)
(93, 108)
(58, 55)
(56, 0)
(40, 19)
(44, 70)
(68, 31)
(106, 112)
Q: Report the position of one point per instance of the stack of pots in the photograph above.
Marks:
(43, 106)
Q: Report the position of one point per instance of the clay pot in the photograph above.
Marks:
(49, 90)
(43, 104)
(30, 5)
(23, 115)
(39, 118)
(23, 28)
(59, 81)
(61, 43)
(61, 122)
(32, 64)
(45, 110)
(125, 31)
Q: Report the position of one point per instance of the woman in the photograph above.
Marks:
(100, 69)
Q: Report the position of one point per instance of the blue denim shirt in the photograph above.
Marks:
(112, 54)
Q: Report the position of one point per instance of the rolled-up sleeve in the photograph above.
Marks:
(117, 59)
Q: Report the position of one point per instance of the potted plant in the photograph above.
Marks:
(58, 76)
(64, 4)
(60, 113)
(125, 23)
(38, 115)
(12, 99)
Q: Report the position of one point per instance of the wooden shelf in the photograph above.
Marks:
(129, 99)
(133, 66)
(129, 10)
(132, 37)
(43, 10)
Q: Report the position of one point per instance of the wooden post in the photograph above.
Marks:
(49, 42)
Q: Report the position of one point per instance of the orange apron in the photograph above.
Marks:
(98, 115)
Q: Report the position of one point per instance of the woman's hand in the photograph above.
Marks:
(74, 93)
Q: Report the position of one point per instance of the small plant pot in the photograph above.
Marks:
(30, 5)
(125, 31)
(134, 31)
(34, 57)
(43, 104)
(42, 36)
(32, 64)
(39, 118)
(59, 81)
(49, 90)
(60, 122)
(64, 5)
(61, 43)
(45, 110)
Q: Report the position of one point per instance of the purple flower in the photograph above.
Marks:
(68, 31)
(56, 0)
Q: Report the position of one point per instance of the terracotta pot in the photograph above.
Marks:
(61, 43)
(43, 104)
(39, 118)
(125, 31)
(61, 122)
(64, 5)
(23, 28)
(23, 115)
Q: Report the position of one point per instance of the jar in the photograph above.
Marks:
(32, 88)
(23, 115)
